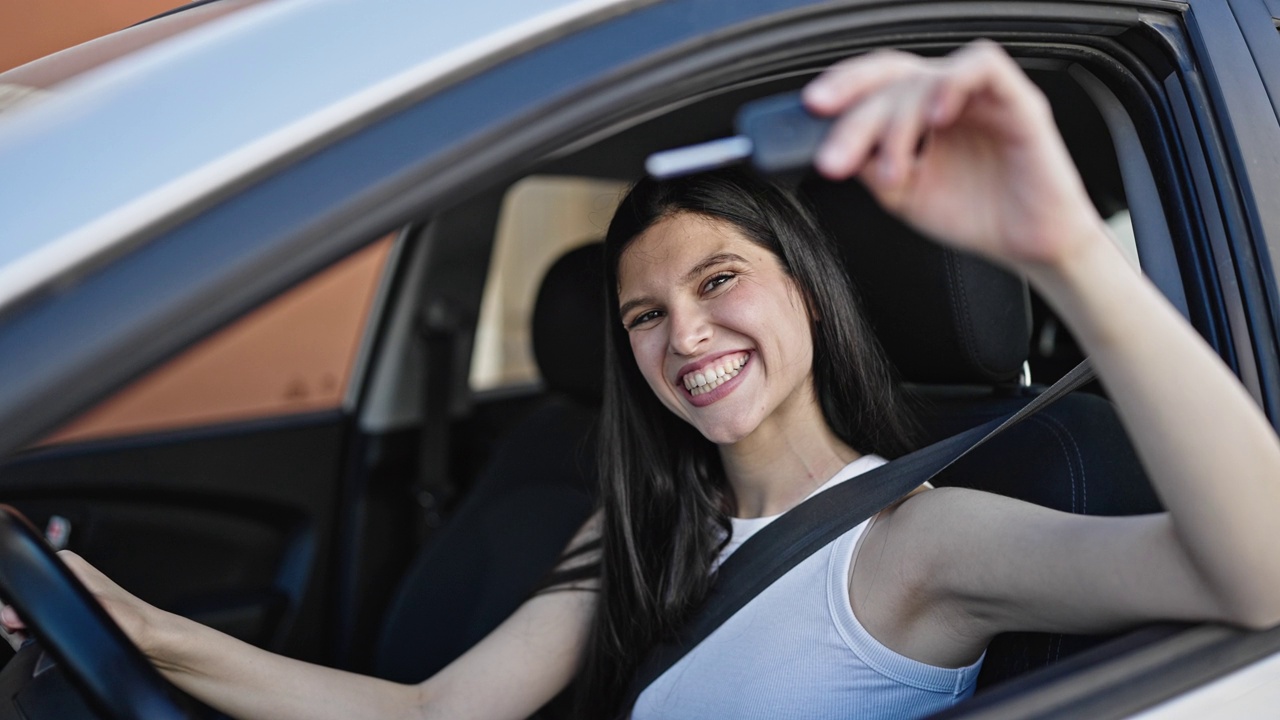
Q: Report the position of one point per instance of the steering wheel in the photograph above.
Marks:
(111, 673)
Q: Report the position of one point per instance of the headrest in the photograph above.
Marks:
(942, 316)
(568, 325)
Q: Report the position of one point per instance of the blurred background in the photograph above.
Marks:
(31, 29)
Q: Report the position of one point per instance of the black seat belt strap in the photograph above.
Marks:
(816, 522)
(433, 488)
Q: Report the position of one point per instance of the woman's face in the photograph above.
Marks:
(718, 329)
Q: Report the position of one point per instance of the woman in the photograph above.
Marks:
(730, 327)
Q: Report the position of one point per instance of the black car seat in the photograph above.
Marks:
(534, 492)
(958, 331)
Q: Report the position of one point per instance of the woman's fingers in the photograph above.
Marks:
(983, 68)
(880, 137)
(854, 138)
(903, 138)
(12, 628)
(891, 101)
(883, 96)
(10, 619)
(846, 83)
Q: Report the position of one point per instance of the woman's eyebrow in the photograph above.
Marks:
(705, 265)
(631, 304)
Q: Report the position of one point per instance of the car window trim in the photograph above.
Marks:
(1238, 103)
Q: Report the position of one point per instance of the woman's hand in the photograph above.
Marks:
(962, 147)
(965, 149)
(129, 612)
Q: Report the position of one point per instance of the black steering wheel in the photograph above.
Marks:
(111, 673)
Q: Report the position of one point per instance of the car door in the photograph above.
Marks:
(1234, 55)
(210, 485)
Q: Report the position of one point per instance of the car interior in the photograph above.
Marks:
(450, 503)
(969, 342)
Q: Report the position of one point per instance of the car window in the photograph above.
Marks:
(542, 217)
(293, 355)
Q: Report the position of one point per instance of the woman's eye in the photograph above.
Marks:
(716, 282)
(643, 318)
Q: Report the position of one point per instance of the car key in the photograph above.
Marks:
(776, 134)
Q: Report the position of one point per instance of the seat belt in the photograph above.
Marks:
(432, 486)
(815, 523)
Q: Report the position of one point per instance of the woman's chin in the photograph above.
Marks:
(726, 433)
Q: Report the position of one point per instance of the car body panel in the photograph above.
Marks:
(1253, 692)
(1246, 115)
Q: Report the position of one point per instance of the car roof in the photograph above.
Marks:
(138, 139)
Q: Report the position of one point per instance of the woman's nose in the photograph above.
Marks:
(690, 330)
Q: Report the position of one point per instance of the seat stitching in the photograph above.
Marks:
(1057, 432)
(1084, 475)
(960, 306)
(1053, 651)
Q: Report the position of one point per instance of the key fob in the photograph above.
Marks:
(784, 134)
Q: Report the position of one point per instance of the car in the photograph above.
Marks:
(267, 279)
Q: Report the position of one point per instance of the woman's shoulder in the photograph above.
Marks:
(897, 579)
(938, 520)
(928, 537)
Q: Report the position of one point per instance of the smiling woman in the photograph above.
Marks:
(716, 311)
(702, 270)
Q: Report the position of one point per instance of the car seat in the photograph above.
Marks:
(958, 331)
(526, 503)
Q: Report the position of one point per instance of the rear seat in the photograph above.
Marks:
(534, 492)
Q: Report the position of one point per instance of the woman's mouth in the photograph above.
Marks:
(705, 380)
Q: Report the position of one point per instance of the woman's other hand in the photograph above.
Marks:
(129, 612)
(962, 147)
(12, 627)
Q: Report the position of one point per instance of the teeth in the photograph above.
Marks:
(709, 379)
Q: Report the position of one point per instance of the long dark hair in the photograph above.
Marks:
(665, 498)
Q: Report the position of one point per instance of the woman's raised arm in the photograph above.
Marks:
(964, 148)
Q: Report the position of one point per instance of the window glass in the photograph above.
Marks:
(293, 355)
(542, 218)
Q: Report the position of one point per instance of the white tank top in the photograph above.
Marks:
(797, 651)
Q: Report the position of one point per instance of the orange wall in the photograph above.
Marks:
(31, 29)
(296, 354)
(293, 355)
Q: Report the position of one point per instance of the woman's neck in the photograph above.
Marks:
(782, 463)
